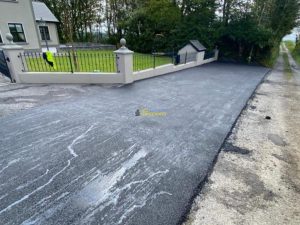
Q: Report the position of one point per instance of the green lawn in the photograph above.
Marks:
(91, 61)
(146, 61)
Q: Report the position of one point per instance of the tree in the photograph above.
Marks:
(76, 18)
(151, 27)
(253, 28)
(198, 22)
(244, 29)
(287, 11)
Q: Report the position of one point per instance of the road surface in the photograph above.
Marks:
(88, 159)
(256, 179)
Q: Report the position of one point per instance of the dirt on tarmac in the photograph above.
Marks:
(256, 179)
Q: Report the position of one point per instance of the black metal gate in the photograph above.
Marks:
(3, 65)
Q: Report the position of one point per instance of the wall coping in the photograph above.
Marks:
(11, 47)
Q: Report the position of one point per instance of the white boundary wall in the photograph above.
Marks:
(125, 74)
(161, 70)
(170, 68)
(71, 78)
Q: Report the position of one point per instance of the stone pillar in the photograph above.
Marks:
(200, 57)
(125, 62)
(12, 54)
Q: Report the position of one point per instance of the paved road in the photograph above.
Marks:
(90, 160)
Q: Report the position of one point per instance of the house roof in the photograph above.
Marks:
(42, 11)
(197, 45)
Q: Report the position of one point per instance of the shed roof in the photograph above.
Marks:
(197, 45)
(42, 11)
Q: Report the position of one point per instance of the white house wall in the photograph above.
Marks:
(54, 41)
(19, 12)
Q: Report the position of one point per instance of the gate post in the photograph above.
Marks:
(12, 53)
(125, 62)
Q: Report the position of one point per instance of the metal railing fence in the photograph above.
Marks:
(209, 54)
(70, 61)
(101, 61)
(148, 61)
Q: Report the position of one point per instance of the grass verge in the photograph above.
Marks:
(287, 67)
(290, 45)
(296, 56)
(272, 57)
(294, 50)
(296, 53)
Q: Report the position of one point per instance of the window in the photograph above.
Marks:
(17, 31)
(45, 33)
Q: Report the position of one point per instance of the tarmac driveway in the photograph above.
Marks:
(89, 159)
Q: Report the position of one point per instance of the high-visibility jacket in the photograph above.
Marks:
(48, 56)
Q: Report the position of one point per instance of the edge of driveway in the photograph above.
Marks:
(200, 186)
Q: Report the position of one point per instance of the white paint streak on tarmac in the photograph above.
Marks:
(31, 182)
(75, 141)
(9, 164)
(36, 190)
(141, 205)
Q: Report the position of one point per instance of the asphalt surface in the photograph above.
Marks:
(89, 160)
(256, 179)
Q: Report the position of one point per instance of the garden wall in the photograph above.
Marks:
(70, 78)
(124, 65)
(161, 70)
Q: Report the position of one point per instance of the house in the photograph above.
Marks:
(189, 51)
(46, 25)
(32, 24)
